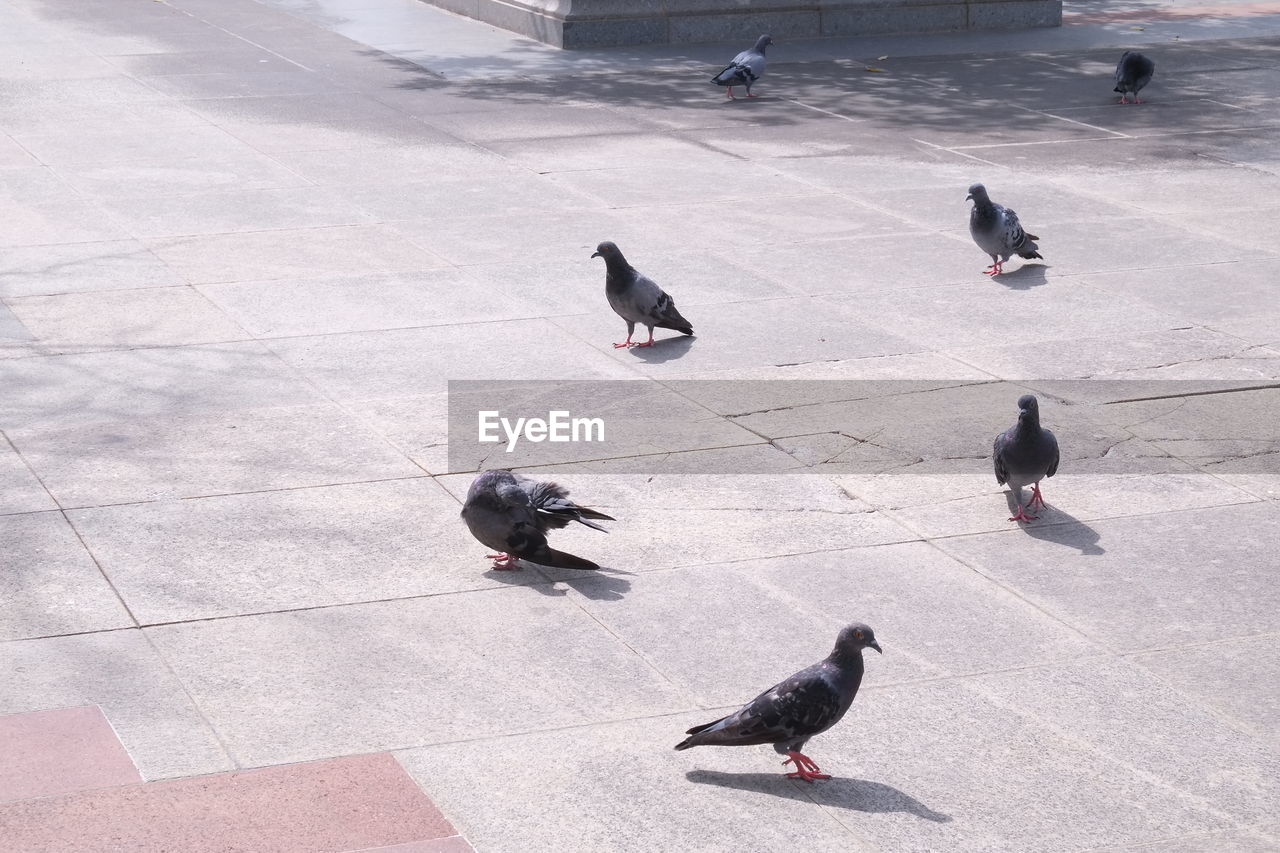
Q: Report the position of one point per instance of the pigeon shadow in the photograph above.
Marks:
(599, 587)
(1024, 277)
(666, 349)
(1061, 528)
(529, 575)
(859, 795)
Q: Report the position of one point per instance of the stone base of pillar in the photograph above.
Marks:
(608, 23)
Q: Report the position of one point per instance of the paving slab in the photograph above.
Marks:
(123, 319)
(156, 720)
(321, 685)
(345, 804)
(621, 787)
(81, 267)
(61, 750)
(190, 456)
(51, 582)
(174, 561)
(1133, 590)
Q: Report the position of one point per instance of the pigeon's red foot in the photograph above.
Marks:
(1123, 99)
(647, 343)
(1137, 100)
(1022, 515)
(728, 93)
(1037, 499)
(994, 269)
(624, 344)
(806, 769)
(749, 95)
(504, 562)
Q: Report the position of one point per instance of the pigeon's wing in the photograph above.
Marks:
(665, 316)
(1014, 239)
(638, 301)
(799, 707)
(732, 75)
(1053, 466)
(552, 506)
(997, 457)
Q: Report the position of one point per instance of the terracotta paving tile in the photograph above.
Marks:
(342, 804)
(60, 751)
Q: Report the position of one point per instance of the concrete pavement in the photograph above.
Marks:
(245, 247)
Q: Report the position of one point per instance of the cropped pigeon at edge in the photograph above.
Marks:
(512, 514)
(794, 710)
(745, 69)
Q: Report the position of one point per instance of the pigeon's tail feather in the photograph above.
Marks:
(546, 556)
(681, 326)
(1032, 254)
(693, 739)
(592, 524)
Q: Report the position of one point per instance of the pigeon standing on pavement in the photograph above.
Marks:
(789, 713)
(996, 230)
(636, 299)
(512, 515)
(1132, 73)
(747, 67)
(1024, 454)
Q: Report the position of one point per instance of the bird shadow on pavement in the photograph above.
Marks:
(1024, 277)
(666, 349)
(859, 795)
(604, 585)
(1059, 527)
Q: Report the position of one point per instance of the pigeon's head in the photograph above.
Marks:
(854, 638)
(763, 42)
(1029, 408)
(977, 192)
(607, 250)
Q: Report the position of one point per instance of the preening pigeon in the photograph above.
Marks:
(636, 299)
(747, 67)
(789, 713)
(1024, 454)
(1132, 73)
(512, 515)
(996, 230)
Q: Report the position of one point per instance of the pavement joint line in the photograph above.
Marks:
(34, 638)
(1072, 121)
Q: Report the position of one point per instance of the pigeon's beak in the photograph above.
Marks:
(874, 645)
(595, 254)
(969, 197)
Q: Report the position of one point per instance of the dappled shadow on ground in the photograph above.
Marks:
(858, 795)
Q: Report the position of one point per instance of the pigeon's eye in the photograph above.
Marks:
(858, 634)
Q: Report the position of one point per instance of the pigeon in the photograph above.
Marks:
(636, 299)
(996, 230)
(1132, 73)
(1024, 454)
(512, 514)
(747, 67)
(792, 711)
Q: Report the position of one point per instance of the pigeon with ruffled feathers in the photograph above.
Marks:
(512, 514)
(1132, 73)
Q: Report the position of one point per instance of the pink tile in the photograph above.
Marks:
(60, 751)
(452, 844)
(341, 804)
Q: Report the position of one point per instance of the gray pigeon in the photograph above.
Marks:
(996, 230)
(789, 713)
(1024, 454)
(1132, 73)
(747, 67)
(512, 515)
(636, 299)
